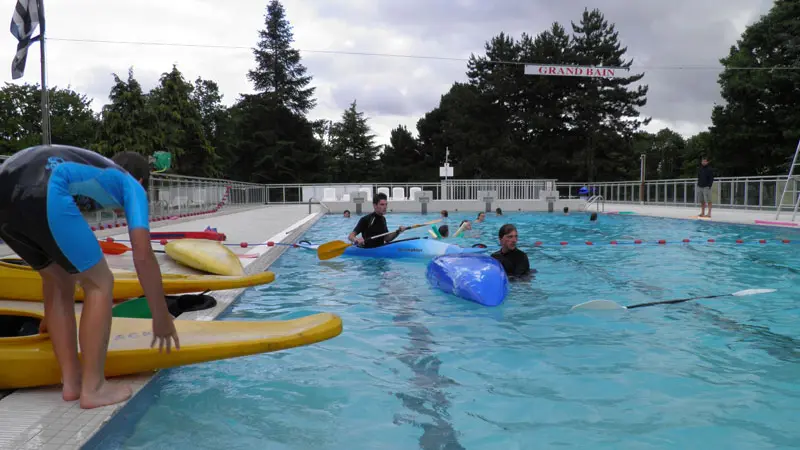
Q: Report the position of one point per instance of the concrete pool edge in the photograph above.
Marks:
(38, 418)
(225, 299)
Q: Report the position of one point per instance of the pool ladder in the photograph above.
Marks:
(596, 200)
(790, 179)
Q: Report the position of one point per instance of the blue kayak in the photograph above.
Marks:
(478, 278)
(405, 248)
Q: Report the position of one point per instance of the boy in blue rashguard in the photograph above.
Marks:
(40, 221)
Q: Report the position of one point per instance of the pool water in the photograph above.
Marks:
(417, 368)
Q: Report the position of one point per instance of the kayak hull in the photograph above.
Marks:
(406, 248)
(477, 278)
(18, 282)
(205, 255)
(29, 360)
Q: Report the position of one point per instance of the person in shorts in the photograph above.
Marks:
(705, 179)
(41, 222)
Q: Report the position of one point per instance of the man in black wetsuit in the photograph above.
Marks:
(514, 260)
(374, 224)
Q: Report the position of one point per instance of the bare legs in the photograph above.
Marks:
(59, 313)
(703, 209)
(86, 380)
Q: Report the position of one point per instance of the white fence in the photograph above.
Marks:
(172, 195)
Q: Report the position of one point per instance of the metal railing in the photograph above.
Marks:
(175, 195)
(760, 192)
(449, 190)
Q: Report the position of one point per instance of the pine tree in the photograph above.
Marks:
(278, 69)
(126, 121)
(179, 126)
(353, 148)
(401, 158)
(604, 110)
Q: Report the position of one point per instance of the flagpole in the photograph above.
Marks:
(45, 96)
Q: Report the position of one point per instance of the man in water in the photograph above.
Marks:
(374, 224)
(481, 217)
(514, 260)
(346, 214)
(41, 222)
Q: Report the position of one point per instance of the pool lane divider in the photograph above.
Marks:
(634, 242)
(664, 242)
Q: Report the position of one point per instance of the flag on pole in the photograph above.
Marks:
(23, 23)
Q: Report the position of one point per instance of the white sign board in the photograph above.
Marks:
(575, 71)
(446, 171)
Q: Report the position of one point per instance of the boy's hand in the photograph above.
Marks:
(164, 332)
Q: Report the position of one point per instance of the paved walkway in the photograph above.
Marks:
(726, 215)
(40, 419)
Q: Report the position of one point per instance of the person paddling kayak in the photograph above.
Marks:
(374, 224)
(514, 260)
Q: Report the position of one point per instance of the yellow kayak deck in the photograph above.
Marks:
(20, 282)
(29, 361)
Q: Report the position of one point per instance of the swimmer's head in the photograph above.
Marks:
(481, 216)
(445, 213)
(135, 164)
(347, 213)
(468, 225)
(566, 210)
(593, 217)
(498, 211)
(444, 231)
(508, 236)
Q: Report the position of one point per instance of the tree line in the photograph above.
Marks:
(499, 123)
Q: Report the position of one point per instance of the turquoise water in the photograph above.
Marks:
(415, 368)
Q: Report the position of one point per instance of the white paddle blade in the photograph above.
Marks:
(598, 305)
(752, 292)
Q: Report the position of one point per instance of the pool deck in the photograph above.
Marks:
(39, 419)
(724, 215)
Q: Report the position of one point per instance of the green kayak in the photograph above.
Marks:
(138, 308)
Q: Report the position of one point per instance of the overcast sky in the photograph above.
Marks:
(660, 36)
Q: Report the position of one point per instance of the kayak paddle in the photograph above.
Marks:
(115, 248)
(608, 304)
(333, 249)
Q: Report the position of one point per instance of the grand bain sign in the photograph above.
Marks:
(575, 71)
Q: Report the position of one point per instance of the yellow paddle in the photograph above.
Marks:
(333, 249)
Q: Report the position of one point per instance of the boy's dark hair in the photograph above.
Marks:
(445, 213)
(593, 216)
(380, 196)
(506, 229)
(135, 164)
(346, 211)
(566, 209)
(498, 211)
(479, 214)
(444, 231)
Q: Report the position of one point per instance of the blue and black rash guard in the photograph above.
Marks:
(39, 218)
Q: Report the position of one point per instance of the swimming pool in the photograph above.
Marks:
(415, 368)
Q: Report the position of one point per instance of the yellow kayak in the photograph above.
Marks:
(207, 256)
(20, 282)
(27, 358)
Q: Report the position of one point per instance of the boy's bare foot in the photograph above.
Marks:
(71, 391)
(108, 394)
